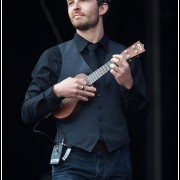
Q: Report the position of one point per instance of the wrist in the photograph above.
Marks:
(55, 90)
(129, 85)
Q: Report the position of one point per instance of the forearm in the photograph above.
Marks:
(40, 106)
(136, 103)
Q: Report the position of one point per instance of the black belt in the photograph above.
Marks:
(101, 146)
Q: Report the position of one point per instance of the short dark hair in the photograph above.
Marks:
(103, 1)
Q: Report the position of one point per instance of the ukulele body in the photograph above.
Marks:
(68, 105)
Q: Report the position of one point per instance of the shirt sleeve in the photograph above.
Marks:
(136, 99)
(40, 100)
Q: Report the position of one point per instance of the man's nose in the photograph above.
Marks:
(76, 5)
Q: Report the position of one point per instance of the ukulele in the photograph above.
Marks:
(69, 105)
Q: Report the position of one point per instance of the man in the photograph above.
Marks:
(93, 142)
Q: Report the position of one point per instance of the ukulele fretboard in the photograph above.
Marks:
(98, 73)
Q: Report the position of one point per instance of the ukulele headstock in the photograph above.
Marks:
(134, 50)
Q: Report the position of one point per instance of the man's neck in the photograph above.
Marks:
(92, 35)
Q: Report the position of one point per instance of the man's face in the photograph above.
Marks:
(84, 14)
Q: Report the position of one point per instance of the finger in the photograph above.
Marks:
(116, 61)
(82, 98)
(79, 83)
(89, 88)
(120, 59)
(87, 93)
(118, 56)
(115, 68)
(83, 95)
(115, 74)
(82, 82)
(82, 88)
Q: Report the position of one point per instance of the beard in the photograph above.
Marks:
(85, 24)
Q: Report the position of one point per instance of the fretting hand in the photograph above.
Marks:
(121, 71)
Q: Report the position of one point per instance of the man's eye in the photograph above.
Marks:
(70, 3)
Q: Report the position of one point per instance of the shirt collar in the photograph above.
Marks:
(82, 43)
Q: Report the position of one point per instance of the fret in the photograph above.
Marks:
(98, 73)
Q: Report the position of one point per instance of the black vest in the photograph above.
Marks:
(103, 115)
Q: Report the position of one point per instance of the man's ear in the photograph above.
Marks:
(103, 8)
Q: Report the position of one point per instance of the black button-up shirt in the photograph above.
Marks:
(101, 52)
(40, 100)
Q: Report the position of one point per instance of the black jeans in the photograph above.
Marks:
(96, 165)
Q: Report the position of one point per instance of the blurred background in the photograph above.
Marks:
(30, 27)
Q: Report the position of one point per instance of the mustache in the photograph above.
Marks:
(77, 14)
